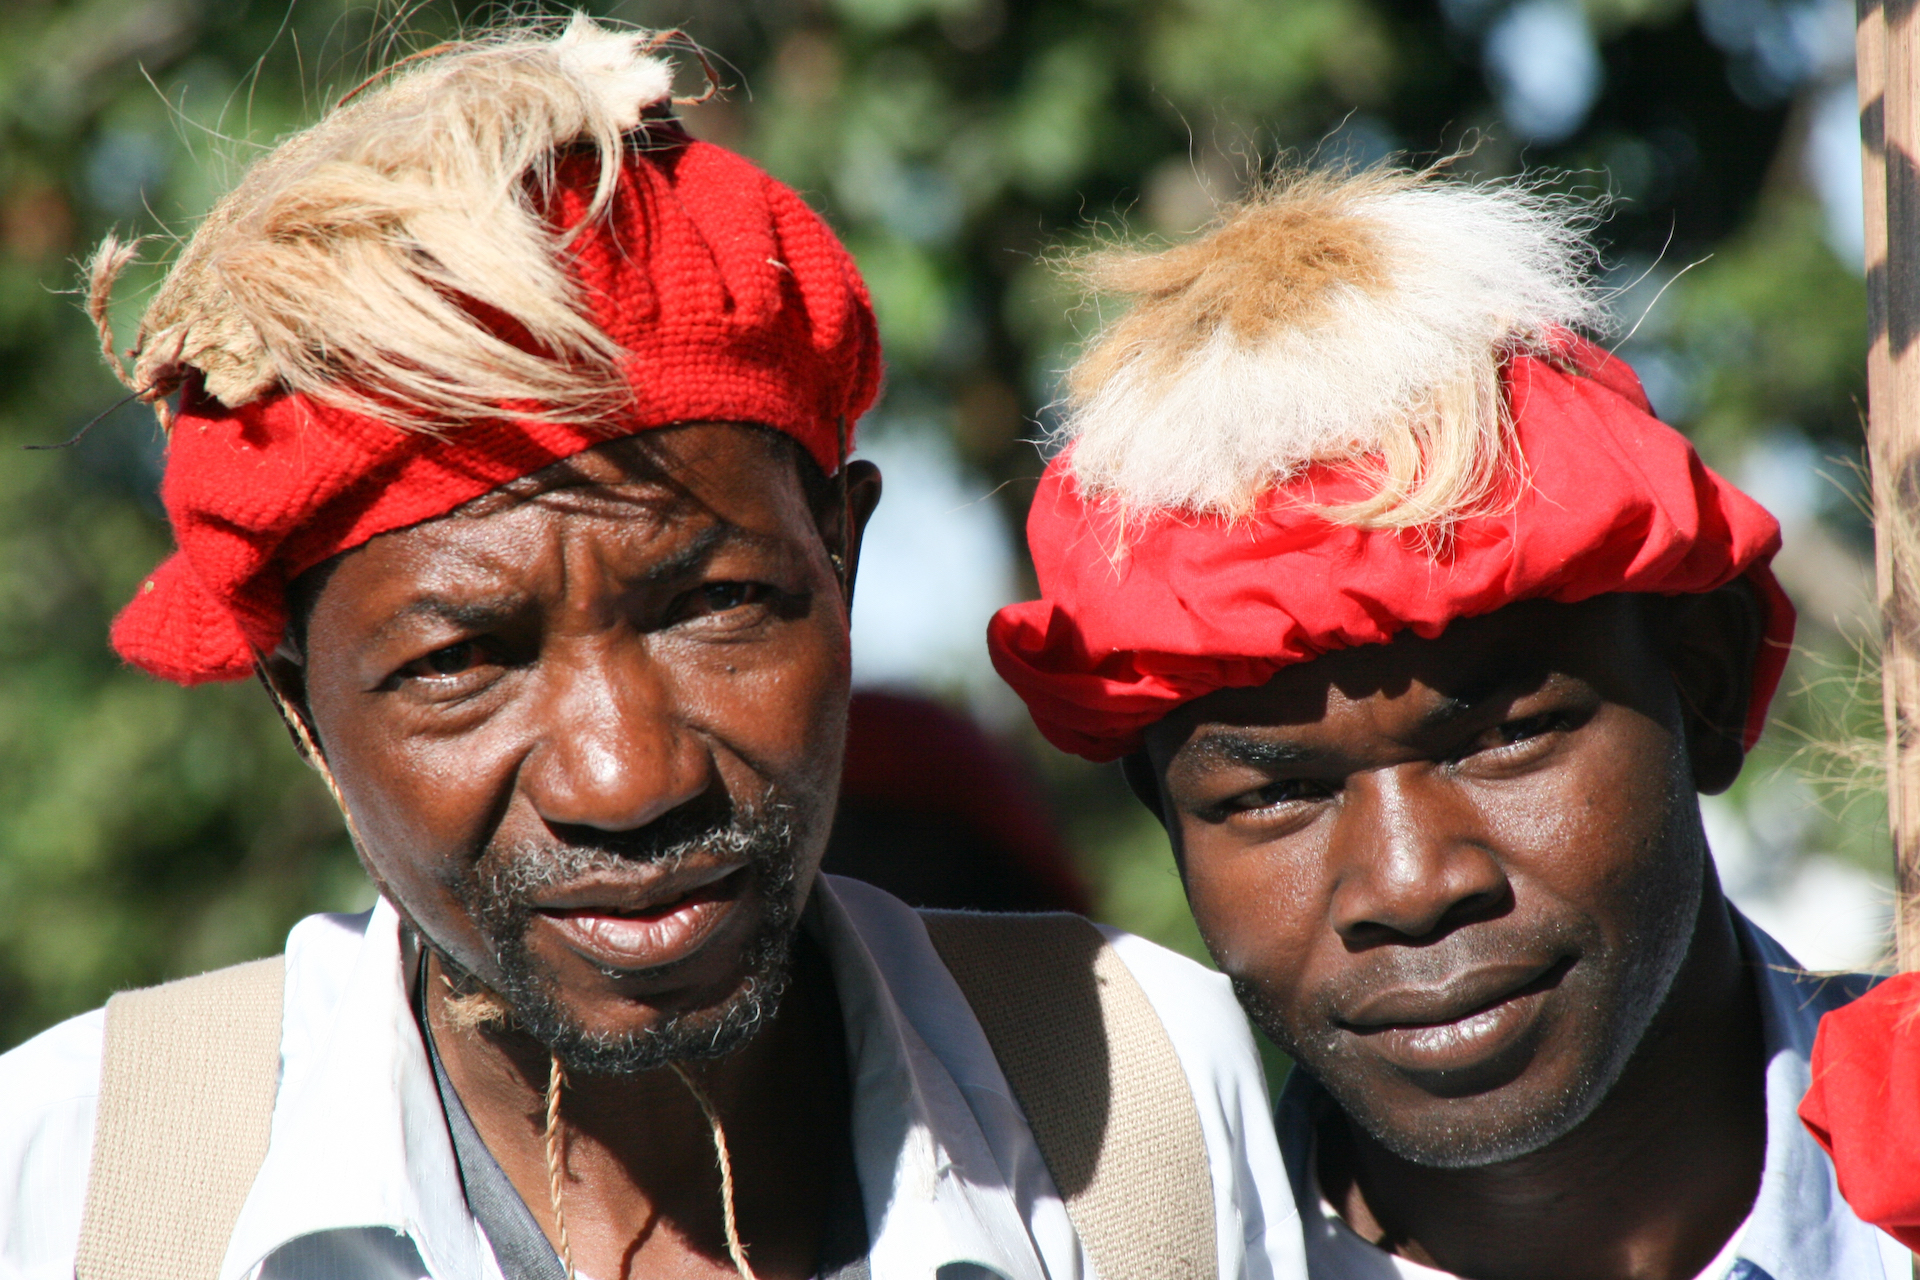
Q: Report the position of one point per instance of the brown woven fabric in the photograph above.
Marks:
(187, 1083)
(1102, 1088)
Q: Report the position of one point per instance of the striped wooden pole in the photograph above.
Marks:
(1887, 50)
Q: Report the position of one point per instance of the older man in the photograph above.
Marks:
(511, 454)
(1420, 634)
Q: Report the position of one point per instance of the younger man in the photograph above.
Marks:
(1419, 633)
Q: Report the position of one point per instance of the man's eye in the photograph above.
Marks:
(1286, 791)
(718, 597)
(453, 660)
(1529, 727)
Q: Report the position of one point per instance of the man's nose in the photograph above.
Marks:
(614, 751)
(1407, 859)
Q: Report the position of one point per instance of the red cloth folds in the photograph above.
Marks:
(733, 300)
(1864, 1105)
(1612, 501)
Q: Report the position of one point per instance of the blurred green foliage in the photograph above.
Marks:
(147, 831)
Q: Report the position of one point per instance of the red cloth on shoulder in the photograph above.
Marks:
(1611, 500)
(1864, 1105)
(734, 303)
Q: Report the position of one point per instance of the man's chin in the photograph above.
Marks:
(1471, 1132)
(1504, 1107)
(698, 1035)
(604, 1033)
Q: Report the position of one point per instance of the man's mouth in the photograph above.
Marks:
(646, 923)
(1461, 1022)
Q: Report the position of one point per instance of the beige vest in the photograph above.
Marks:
(182, 1130)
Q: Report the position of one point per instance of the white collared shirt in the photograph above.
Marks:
(360, 1178)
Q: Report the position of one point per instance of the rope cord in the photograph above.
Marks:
(735, 1249)
(556, 1081)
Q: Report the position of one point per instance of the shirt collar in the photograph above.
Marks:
(358, 1136)
(1800, 1228)
(359, 1139)
(935, 1191)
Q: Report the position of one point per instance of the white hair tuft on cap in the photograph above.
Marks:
(1326, 318)
(357, 261)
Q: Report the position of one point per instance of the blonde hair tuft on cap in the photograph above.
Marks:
(354, 261)
(1329, 317)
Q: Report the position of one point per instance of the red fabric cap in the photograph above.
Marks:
(1613, 500)
(734, 300)
(911, 752)
(1864, 1105)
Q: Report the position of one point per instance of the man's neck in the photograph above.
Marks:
(1648, 1187)
(641, 1189)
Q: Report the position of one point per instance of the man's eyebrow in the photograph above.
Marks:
(467, 614)
(486, 612)
(1498, 685)
(697, 551)
(1224, 746)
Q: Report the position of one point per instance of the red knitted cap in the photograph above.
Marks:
(1612, 501)
(733, 301)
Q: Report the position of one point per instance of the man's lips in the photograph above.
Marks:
(645, 922)
(1458, 1023)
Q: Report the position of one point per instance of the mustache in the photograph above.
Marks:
(500, 890)
(514, 871)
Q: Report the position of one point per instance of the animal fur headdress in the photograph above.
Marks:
(496, 255)
(1262, 446)
(354, 262)
(1326, 317)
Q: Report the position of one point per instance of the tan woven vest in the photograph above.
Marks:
(182, 1129)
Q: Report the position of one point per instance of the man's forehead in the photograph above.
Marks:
(1432, 678)
(672, 500)
(572, 491)
(686, 465)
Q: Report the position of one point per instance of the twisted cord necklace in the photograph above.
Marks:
(556, 1082)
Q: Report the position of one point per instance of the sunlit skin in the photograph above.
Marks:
(1463, 881)
(658, 629)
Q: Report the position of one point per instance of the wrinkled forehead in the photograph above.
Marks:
(1606, 641)
(714, 465)
(746, 480)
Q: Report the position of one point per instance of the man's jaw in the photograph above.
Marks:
(636, 927)
(1457, 1039)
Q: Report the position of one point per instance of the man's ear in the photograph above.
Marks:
(863, 496)
(1711, 642)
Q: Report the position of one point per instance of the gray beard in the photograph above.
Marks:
(501, 900)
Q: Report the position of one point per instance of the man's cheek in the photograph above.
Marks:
(785, 723)
(408, 855)
(1257, 920)
(1577, 832)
